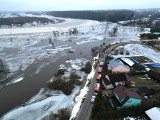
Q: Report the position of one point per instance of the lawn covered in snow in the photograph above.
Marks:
(142, 50)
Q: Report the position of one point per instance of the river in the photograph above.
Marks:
(16, 94)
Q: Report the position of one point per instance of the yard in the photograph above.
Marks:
(143, 80)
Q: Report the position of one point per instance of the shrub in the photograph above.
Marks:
(65, 86)
(74, 76)
(60, 72)
(87, 68)
(95, 51)
(63, 114)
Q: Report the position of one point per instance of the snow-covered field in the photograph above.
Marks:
(62, 27)
(141, 50)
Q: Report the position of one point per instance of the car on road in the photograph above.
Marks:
(99, 70)
(97, 87)
(93, 99)
(98, 78)
(95, 93)
(101, 64)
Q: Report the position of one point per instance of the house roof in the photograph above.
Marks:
(127, 61)
(138, 67)
(119, 77)
(153, 113)
(123, 93)
(116, 62)
(154, 65)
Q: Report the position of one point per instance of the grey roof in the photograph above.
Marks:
(127, 61)
(116, 62)
(153, 113)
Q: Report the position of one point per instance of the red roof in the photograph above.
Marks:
(123, 92)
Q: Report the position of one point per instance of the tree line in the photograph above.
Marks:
(4, 70)
(22, 20)
(112, 16)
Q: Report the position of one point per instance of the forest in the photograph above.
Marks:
(111, 16)
(22, 20)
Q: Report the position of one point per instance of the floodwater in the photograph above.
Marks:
(16, 94)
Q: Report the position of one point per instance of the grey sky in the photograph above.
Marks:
(51, 5)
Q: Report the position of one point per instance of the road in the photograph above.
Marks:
(86, 109)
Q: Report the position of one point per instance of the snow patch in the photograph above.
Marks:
(143, 50)
(81, 96)
(18, 79)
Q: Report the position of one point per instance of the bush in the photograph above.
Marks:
(65, 86)
(60, 72)
(87, 68)
(62, 114)
(95, 51)
(74, 76)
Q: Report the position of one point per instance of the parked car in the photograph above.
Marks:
(101, 64)
(95, 92)
(93, 99)
(97, 87)
(98, 78)
(99, 70)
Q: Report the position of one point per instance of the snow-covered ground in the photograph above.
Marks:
(62, 27)
(137, 49)
(74, 66)
(82, 94)
(41, 106)
(140, 50)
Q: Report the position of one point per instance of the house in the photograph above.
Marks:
(116, 66)
(153, 113)
(113, 80)
(106, 83)
(122, 98)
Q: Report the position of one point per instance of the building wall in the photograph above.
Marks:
(132, 102)
(120, 69)
(107, 86)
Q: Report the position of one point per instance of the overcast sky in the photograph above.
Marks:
(51, 5)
